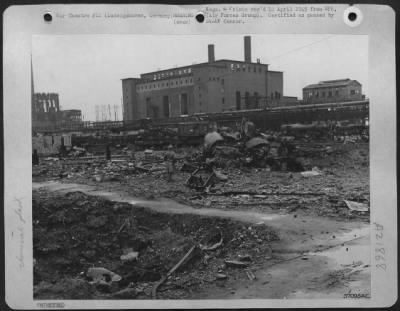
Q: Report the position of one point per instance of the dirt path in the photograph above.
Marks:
(319, 257)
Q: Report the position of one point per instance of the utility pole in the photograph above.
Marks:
(97, 109)
(109, 113)
(116, 116)
(103, 112)
(122, 107)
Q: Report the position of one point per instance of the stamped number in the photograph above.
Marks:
(379, 248)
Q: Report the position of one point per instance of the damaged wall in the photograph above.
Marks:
(50, 144)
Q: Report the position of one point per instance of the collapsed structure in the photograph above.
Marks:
(46, 110)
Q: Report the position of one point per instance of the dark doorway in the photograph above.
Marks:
(247, 100)
(184, 103)
(148, 107)
(256, 100)
(155, 112)
(166, 106)
(238, 100)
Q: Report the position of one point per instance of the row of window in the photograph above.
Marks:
(161, 85)
(215, 79)
(172, 73)
(178, 72)
(329, 93)
(244, 68)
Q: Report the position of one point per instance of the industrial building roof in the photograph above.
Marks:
(205, 64)
(210, 63)
(331, 83)
(215, 63)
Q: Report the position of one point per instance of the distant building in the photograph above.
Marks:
(333, 91)
(213, 86)
(46, 110)
(71, 115)
(289, 101)
(45, 107)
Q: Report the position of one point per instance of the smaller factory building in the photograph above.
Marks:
(333, 91)
(213, 86)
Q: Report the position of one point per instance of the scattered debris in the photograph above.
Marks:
(161, 239)
(198, 181)
(269, 253)
(310, 173)
(170, 272)
(211, 138)
(256, 142)
(236, 264)
(220, 176)
(266, 172)
(245, 258)
(357, 206)
(99, 275)
(250, 275)
(221, 276)
(213, 246)
(126, 293)
(206, 258)
(131, 256)
(97, 221)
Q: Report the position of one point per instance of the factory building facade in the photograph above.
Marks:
(213, 86)
(333, 91)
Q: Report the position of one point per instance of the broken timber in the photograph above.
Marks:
(196, 182)
(170, 272)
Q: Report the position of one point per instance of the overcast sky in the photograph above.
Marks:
(86, 70)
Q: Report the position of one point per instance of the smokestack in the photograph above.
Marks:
(247, 49)
(211, 55)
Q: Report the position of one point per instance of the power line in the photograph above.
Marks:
(301, 47)
(275, 57)
(238, 67)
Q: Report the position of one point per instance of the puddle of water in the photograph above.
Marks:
(354, 257)
(355, 233)
(271, 217)
(143, 202)
(347, 254)
(172, 206)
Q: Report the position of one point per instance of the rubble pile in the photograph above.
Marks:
(331, 173)
(87, 247)
(319, 194)
(99, 169)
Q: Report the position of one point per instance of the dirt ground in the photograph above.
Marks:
(288, 236)
(74, 232)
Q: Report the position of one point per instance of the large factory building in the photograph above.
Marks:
(213, 86)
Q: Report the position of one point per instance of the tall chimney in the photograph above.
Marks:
(247, 49)
(211, 55)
